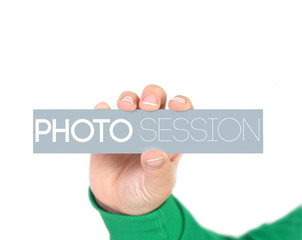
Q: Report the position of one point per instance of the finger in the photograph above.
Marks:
(160, 172)
(153, 97)
(180, 103)
(128, 101)
(102, 105)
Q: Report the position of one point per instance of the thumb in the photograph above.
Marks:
(160, 173)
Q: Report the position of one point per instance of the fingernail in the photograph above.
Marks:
(155, 162)
(101, 105)
(150, 100)
(179, 99)
(128, 99)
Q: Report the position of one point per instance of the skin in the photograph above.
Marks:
(135, 184)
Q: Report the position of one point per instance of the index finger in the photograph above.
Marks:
(180, 103)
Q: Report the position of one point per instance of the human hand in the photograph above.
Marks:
(135, 184)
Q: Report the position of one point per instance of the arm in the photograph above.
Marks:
(140, 185)
(173, 221)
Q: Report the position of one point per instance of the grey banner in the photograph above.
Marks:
(116, 131)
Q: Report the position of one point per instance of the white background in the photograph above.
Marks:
(221, 54)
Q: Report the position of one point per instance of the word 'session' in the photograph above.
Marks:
(115, 131)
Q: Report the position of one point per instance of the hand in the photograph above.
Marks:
(135, 184)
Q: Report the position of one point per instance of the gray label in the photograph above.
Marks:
(116, 131)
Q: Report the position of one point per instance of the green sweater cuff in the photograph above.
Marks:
(165, 222)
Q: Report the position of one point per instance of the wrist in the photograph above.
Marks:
(135, 207)
(166, 220)
(108, 208)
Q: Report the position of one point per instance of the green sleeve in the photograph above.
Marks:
(173, 221)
